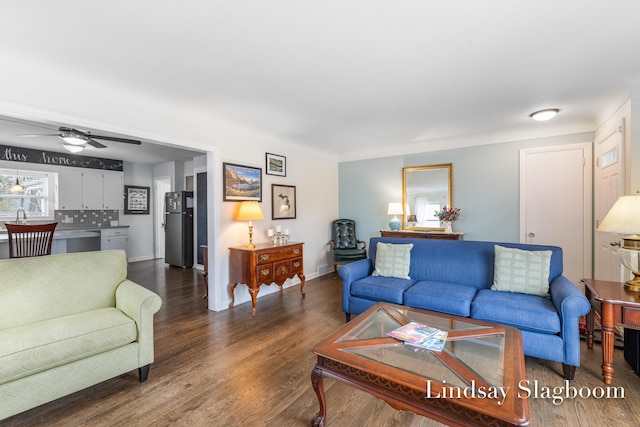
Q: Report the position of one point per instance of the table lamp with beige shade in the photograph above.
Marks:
(624, 218)
(250, 211)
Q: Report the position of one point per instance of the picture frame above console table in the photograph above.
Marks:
(422, 234)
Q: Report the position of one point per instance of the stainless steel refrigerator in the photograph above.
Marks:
(178, 228)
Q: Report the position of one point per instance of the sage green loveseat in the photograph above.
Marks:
(67, 322)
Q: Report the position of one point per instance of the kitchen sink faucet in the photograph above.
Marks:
(24, 216)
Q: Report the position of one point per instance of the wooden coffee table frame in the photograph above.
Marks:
(404, 390)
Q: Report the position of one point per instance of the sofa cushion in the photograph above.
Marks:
(36, 289)
(37, 347)
(451, 298)
(522, 271)
(389, 289)
(393, 260)
(523, 311)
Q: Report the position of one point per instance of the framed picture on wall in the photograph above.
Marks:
(283, 201)
(276, 165)
(241, 183)
(136, 199)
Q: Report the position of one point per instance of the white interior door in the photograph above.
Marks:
(555, 203)
(161, 185)
(609, 185)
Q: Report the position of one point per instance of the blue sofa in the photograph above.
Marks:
(455, 277)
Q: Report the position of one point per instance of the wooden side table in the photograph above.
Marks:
(264, 264)
(616, 305)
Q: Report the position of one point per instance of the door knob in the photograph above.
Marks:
(532, 234)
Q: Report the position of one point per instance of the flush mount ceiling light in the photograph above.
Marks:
(544, 115)
(74, 139)
(73, 148)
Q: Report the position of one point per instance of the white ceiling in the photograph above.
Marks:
(356, 78)
(20, 133)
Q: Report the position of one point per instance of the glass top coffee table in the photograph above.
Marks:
(473, 381)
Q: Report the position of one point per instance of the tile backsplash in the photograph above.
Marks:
(87, 218)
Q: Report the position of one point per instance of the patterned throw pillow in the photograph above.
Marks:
(393, 260)
(517, 270)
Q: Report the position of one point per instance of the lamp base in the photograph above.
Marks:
(631, 242)
(395, 223)
(633, 285)
(251, 245)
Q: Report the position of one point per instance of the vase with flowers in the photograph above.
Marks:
(447, 216)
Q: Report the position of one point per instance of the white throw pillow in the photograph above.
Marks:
(393, 260)
(522, 271)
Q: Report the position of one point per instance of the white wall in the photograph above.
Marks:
(316, 181)
(140, 226)
(485, 187)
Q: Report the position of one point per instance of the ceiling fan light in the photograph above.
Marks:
(544, 115)
(73, 139)
(73, 148)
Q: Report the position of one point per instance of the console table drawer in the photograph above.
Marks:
(277, 254)
(264, 273)
(296, 265)
(631, 316)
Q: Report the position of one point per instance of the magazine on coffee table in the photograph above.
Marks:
(421, 336)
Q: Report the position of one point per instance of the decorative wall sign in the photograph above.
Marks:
(241, 183)
(283, 201)
(28, 155)
(136, 200)
(276, 165)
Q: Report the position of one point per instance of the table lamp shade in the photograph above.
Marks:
(623, 218)
(249, 211)
(395, 209)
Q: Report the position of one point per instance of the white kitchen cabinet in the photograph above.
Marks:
(113, 188)
(70, 189)
(114, 238)
(92, 190)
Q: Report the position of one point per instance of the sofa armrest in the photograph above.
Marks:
(349, 273)
(570, 304)
(140, 304)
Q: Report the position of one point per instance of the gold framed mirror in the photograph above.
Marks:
(425, 189)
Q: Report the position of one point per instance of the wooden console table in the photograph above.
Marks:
(264, 264)
(422, 234)
(616, 305)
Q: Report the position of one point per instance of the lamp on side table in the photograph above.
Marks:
(624, 218)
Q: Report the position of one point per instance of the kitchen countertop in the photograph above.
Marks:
(70, 232)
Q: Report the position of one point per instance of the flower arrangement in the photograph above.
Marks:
(448, 214)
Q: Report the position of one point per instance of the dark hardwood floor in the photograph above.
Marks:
(229, 369)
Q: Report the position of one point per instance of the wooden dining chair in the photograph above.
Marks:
(29, 240)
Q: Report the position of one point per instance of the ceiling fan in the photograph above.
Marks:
(76, 140)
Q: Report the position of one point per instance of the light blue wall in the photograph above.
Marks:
(486, 186)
